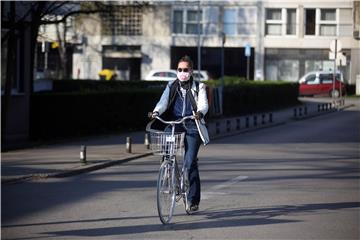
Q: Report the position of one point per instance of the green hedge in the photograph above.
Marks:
(75, 114)
(101, 86)
(251, 98)
(94, 107)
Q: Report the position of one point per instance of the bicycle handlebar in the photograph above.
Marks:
(172, 123)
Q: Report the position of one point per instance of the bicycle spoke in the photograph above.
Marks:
(165, 193)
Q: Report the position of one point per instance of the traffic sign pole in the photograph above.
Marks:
(334, 75)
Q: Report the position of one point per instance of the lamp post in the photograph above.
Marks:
(223, 40)
(198, 40)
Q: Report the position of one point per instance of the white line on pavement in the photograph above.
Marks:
(214, 190)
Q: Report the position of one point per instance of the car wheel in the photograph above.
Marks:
(334, 93)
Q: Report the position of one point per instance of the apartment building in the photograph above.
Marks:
(281, 39)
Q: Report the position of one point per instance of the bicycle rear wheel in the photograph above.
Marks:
(166, 192)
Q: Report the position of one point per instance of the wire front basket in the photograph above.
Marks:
(164, 144)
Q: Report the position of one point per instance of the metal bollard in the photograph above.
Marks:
(319, 108)
(300, 111)
(255, 121)
(305, 110)
(228, 125)
(270, 117)
(247, 122)
(263, 119)
(128, 144)
(146, 141)
(238, 124)
(217, 127)
(83, 154)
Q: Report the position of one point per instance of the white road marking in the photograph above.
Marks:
(214, 190)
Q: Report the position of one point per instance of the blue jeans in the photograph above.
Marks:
(192, 144)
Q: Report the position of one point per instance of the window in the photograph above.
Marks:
(291, 22)
(125, 20)
(345, 22)
(273, 22)
(247, 24)
(229, 21)
(323, 22)
(310, 23)
(312, 79)
(328, 78)
(178, 22)
(288, 69)
(212, 18)
(192, 22)
(280, 21)
(328, 22)
(186, 21)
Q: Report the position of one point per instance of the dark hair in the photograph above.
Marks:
(188, 60)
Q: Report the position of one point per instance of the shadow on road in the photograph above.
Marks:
(219, 218)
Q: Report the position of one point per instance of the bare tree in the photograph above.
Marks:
(18, 19)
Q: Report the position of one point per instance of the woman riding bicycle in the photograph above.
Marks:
(186, 97)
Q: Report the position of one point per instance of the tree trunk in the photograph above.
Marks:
(10, 72)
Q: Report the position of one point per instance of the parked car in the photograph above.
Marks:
(161, 75)
(107, 74)
(321, 83)
(168, 75)
(200, 76)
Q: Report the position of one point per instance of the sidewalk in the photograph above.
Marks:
(61, 160)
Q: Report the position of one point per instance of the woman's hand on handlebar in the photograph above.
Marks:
(198, 115)
(153, 115)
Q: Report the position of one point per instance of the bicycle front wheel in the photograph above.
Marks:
(166, 192)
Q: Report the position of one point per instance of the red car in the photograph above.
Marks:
(321, 82)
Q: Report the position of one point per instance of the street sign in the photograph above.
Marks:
(335, 44)
(340, 58)
(247, 50)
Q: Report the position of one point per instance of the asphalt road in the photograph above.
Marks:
(299, 180)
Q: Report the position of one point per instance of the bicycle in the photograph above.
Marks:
(172, 184)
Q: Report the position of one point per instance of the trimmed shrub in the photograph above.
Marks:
(75, 114)
(97, 85)
(80, 107)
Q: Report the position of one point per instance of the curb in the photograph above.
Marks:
(234, 133)
(109, 163)
(274, 124)
(71, 172)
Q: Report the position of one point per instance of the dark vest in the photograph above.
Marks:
(173, 98)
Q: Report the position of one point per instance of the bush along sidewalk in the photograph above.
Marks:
(118, 107)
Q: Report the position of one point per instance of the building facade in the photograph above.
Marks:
(272, 39)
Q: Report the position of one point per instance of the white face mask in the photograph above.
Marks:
(183, 76)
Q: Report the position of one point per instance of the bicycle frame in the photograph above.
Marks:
(177, 186)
